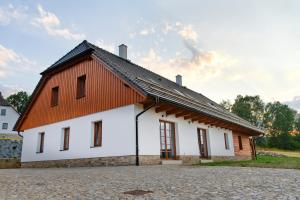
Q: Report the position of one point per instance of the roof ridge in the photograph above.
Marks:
(84, 42)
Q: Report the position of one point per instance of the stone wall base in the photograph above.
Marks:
(92, 162)
(121, 161)
(196, 159)
(234, 158)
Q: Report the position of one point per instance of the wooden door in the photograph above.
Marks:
(167, 140)
(202, 141)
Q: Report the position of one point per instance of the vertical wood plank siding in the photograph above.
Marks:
(246, 151)
(104, 91)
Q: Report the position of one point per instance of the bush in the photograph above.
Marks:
(283, 141)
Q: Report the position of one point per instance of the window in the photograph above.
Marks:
(41, 142)
(240, 142)
(226, 140)
(54, 96)
(4, 126)
(98, 134)
(3, 112)
(81, 86)
(66, 138)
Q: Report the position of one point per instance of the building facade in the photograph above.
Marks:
(94, 108)
(8, 117)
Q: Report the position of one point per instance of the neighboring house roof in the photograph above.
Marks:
(152, 84)
(3, 102)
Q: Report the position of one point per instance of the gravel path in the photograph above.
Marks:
(166, 182)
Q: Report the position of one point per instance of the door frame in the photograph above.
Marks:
(174, 140)
(205, 143)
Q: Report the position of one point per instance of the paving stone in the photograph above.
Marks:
(166, 182)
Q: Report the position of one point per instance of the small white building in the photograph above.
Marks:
(92, 108)
(8, 117)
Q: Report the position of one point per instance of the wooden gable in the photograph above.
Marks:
(104, 91)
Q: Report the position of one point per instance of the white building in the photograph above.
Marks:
(95, 108)
(8, 117)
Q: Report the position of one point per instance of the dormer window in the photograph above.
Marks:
(81, 86)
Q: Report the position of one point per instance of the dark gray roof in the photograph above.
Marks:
(155, 85)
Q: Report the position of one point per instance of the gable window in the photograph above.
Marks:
(226, 140)
(54, 96)
(41, 138)
(240, 142)
(97, 134)
(3, 112)
(5, 126)
(81, 86)
(66, 138)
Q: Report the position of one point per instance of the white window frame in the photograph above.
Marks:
(92, 134)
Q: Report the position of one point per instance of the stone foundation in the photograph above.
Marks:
(189, 159)
(120, 161)
(150, 160)
(92, 162)
(196, 159)
(236, 158)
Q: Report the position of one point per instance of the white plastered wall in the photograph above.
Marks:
(186, 135)
(118, 137)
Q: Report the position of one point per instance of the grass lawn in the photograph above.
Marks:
(262, 161)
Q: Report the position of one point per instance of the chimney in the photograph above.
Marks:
(123, 51)
(179, 80)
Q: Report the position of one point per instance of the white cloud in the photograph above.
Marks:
(167, 28)
(11, 62)
(51, 23)
(295, 103)
(147, 31)
(7, 90)
(188, 33)
(204, 64)
(106, 46)
(10, 12)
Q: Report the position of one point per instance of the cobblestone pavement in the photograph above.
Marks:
(166, 182)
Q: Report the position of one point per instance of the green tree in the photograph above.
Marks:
(279, 121)
(19, 100)
(297, 124)
(250, 108)
(226, 104)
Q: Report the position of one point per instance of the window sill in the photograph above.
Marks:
(79, 97)
(64, 150)
(95, 147)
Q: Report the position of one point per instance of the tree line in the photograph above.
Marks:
(281, 123)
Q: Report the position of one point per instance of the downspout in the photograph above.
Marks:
(20, 134)
(137, 160)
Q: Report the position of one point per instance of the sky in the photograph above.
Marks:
(221, 48)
